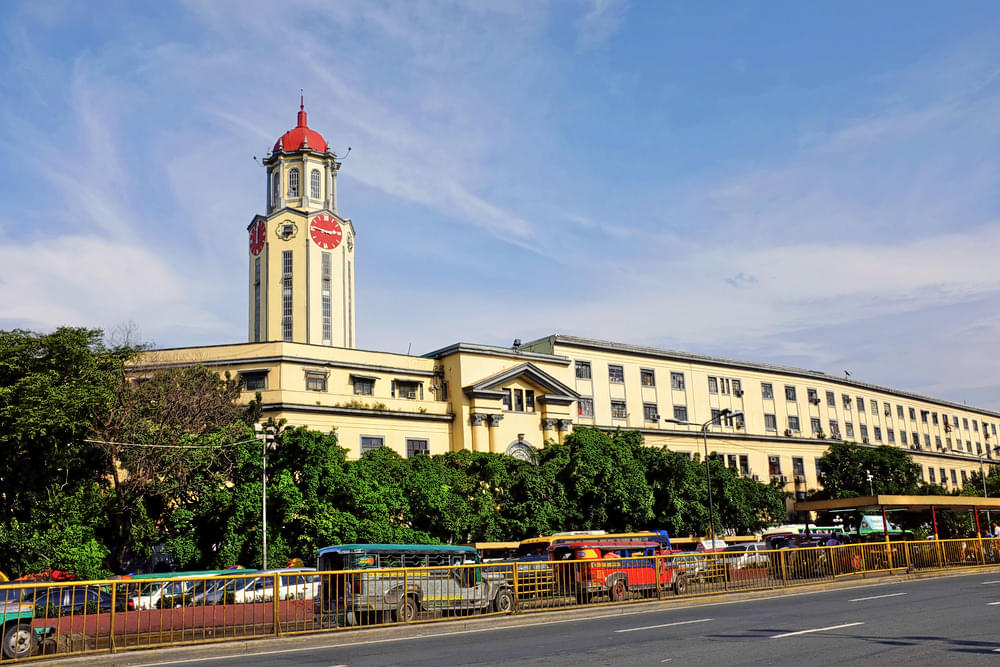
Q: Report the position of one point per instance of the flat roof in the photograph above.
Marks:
(897, 502)
(394, 547)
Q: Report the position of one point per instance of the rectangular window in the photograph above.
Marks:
(793, 423)
(732, 463)
(713, 385)
(770, 423)
(875, 408)
(819, 470)
(947, 443)
(647, 377)
(618, 410)
(773, 466)
(864, 433)
(899, 411)
(916, 439)
(414, 391)
(902, 437)
(649, 412)
(849, 429)
(927, 440)
(505, 399)
(831, 399)
(677, 381)
(944, 476)
(892, 436)
(798, 466)
(861, 404)
(256, 299)
(937, 441)
(716, 417)
(583, 370)
(815, 425)
(370, 442)
(744, 464)
(585, 407)
(286, 295)
(954, 478)
(968, 445)
(913, 413)
(834, 428)
(529, 400)
(326, 296)
(723, 385)
(519, 400)
(934, 418)
(766, 390)
(813, 396)
(416, 446)
(954, 421)
(975, 426)
(681, 413)
(878, 433)
(930, 475)
(923, 416)
(315, 381)
(979, 448)
(254, 380)
(363, 386)
(314, 184)
(789, 392)
(846, 400)
(737, 388)
(965, 423)
(616, 374)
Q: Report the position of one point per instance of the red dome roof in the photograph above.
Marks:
(301, 137)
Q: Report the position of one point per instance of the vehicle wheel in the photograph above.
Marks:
(503, 602)
(405, 611)
(17, 638)
(680, 585)
(617, 591)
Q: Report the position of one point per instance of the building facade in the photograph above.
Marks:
(303, 359)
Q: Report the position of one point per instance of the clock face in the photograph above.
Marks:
(258, 233)
(325, 231)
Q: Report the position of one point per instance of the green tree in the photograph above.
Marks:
(845, 466)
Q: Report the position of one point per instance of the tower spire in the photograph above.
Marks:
(302, 109)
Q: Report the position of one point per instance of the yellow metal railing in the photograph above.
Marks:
(71, 618)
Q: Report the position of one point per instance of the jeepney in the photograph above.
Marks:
(615, 569)
(366, 583)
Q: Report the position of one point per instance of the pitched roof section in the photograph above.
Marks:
(555, 391)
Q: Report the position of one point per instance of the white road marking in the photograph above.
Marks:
(804, 632)
(877, 597)
(992, 603)
(665, 625)
(992, 581)
(669, 659)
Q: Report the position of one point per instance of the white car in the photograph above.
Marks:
(148, 594)
(740, 556)
(293, 584)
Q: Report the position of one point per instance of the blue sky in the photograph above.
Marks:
(799, 183)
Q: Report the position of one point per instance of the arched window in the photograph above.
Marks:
(293, 182)
(314, 184)
(275, 187)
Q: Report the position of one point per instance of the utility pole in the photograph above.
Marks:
(266, 436)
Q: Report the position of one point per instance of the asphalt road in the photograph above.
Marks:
(939, 621)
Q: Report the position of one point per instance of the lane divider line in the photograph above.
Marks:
(990, 604)
(992, 581)
(665, 625)
(877, 597)
(805, 632)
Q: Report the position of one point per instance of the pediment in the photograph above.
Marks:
(551, 389)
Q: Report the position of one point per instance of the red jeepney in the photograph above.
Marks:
(615, 569)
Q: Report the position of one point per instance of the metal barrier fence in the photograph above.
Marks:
(48, 619)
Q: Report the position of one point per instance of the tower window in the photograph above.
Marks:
(326, 295)
(293, 182)
(286, 295)
(314, 185)
(256, 299)
(275, 187)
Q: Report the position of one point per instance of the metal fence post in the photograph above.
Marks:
(517, 596)
(406, 592)
(784, 566)
(275, 600)
(114, 604)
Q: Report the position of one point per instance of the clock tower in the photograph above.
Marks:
(302, 251)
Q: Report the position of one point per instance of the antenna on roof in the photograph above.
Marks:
(302, 99)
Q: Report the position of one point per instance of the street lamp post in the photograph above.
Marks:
(708, 472)
(266, 436)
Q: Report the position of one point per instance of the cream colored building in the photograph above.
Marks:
(302, 358)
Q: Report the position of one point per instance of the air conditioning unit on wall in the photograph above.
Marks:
(784, 479)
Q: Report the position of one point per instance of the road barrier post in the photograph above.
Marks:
(659, 577)
(784, 567)
(114, 605)
(275, 601)
(406, 592)
(517, 595)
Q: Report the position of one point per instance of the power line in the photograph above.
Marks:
(137, 444)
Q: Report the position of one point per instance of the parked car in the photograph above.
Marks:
(701, 568)
(293, 584)
(151, 591)
(18, 637)
(220, 590)
(711, 546)
(742, 556)
(73, 599)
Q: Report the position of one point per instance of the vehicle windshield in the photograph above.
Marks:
(736, 547)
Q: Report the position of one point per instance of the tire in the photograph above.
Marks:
(406, 610)
(504, 601)
(17, 640)
(680, 585)
(618, 590)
